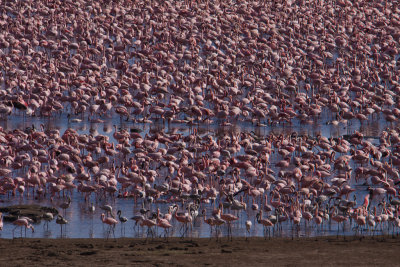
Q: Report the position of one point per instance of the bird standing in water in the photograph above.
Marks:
(61, 221)
(65, 205)
(122, 219)
(248, 227)
(111, 222)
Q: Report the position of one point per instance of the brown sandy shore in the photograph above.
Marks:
(200, 252)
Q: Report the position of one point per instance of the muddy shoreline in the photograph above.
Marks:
(201, 252)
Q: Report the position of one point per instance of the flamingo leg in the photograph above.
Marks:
(265, 232)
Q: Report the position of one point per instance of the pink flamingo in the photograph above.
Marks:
(317, 218)
(209, 221)
(23, 222)
(339, 219)
(229, 218)
(185, 219)
(266, 223)
(360, 218)
(149, 223)
(168, 216)
(110, 221)
(163, 223)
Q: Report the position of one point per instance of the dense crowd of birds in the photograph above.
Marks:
(264, 62)
(201, 61)
(289, 178)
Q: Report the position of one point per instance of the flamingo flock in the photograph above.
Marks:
(293, 181)
(192, 63)
(265, 62)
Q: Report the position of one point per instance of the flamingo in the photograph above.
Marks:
(266, 223)
(185, 219)
(111, 223)
(65, 205)
(209, 221)
(107, 209)
(338, 219)
(122, 219)
(248, 227)
(229, 218)
(317, 218)
(149, 223)
(163, 223)
(61, 221)
(168, 216)
(360, 219)
(21, 222)
(48, 217)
